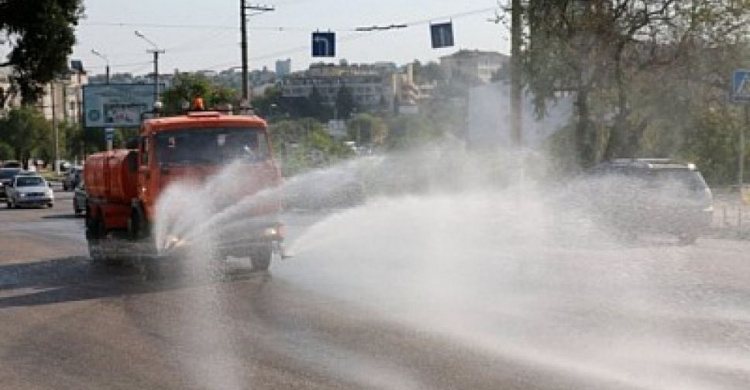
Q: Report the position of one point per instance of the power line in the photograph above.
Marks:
(285, 28)
(200, 26)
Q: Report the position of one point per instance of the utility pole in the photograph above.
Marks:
(516, 93)
(106, 60)
(156, 51)
(55, 126)
(258, 9)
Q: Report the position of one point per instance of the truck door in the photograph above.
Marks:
(145, 173)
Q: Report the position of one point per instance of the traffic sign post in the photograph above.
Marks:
(109, 137)
(324, 44)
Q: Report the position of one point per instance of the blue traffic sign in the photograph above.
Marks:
(442, 35)
(741, 86)
(324, 44)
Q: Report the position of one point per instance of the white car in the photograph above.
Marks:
(29, 190)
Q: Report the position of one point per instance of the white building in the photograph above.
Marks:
(368, 84)
(64, 97)
(7, 99)
(283, 68)
(473, 65)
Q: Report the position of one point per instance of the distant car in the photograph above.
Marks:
(6, 179)
(80, 198)
(652, 195)
(72, 177)
(29, 190)
(12, 164)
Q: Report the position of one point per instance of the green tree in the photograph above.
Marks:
(26, 132)
(187, 86)
(367, 129)
(305, 144)
(6, 152)
(601, 50)
(41, 36)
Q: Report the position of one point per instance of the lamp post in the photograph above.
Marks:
(155, 51)
(106, 60)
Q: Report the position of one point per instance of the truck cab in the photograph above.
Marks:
(229, 157)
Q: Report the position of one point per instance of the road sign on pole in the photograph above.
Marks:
(324, 44)
(741, 86)
(442, 35)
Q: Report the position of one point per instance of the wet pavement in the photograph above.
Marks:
(368, 303)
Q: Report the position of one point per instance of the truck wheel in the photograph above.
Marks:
(260, 258)
(93, 237)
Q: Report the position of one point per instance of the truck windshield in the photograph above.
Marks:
(212, 145)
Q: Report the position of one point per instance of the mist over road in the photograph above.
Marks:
(398, 294)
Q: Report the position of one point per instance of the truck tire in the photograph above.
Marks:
(93, 236)
(260, 258)
(95, 233)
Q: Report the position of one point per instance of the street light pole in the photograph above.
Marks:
(106, 60)
(156, 51)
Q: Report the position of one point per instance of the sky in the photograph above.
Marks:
(204, 35)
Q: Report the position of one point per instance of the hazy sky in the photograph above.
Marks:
(205, 34)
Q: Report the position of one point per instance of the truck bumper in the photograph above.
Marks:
(237, 241)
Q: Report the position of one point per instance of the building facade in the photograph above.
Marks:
(62, 99)
(370, 85)
(283, 68)
(473, 65)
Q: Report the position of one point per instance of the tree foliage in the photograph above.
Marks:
(41, 34)
(187, 86)
(26, 132)
(628, 64)
(367, 129)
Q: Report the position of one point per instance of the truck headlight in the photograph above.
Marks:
(22, 195)
(275, 231)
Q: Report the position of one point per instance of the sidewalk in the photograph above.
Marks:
(731, 215)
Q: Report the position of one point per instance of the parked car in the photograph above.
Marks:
(6, 179)
(29, 190)
(72, 178)
(652, 195)
(80, 197)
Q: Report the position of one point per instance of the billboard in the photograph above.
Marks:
(116, 105)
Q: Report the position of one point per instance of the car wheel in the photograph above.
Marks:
(50, 205)
(260, 258)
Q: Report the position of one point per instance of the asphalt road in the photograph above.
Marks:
(371, 301)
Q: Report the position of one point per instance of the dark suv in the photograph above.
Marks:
(652, 195)
(6, 178)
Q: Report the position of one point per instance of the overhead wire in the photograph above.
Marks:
(357, 34)
(354, 33)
